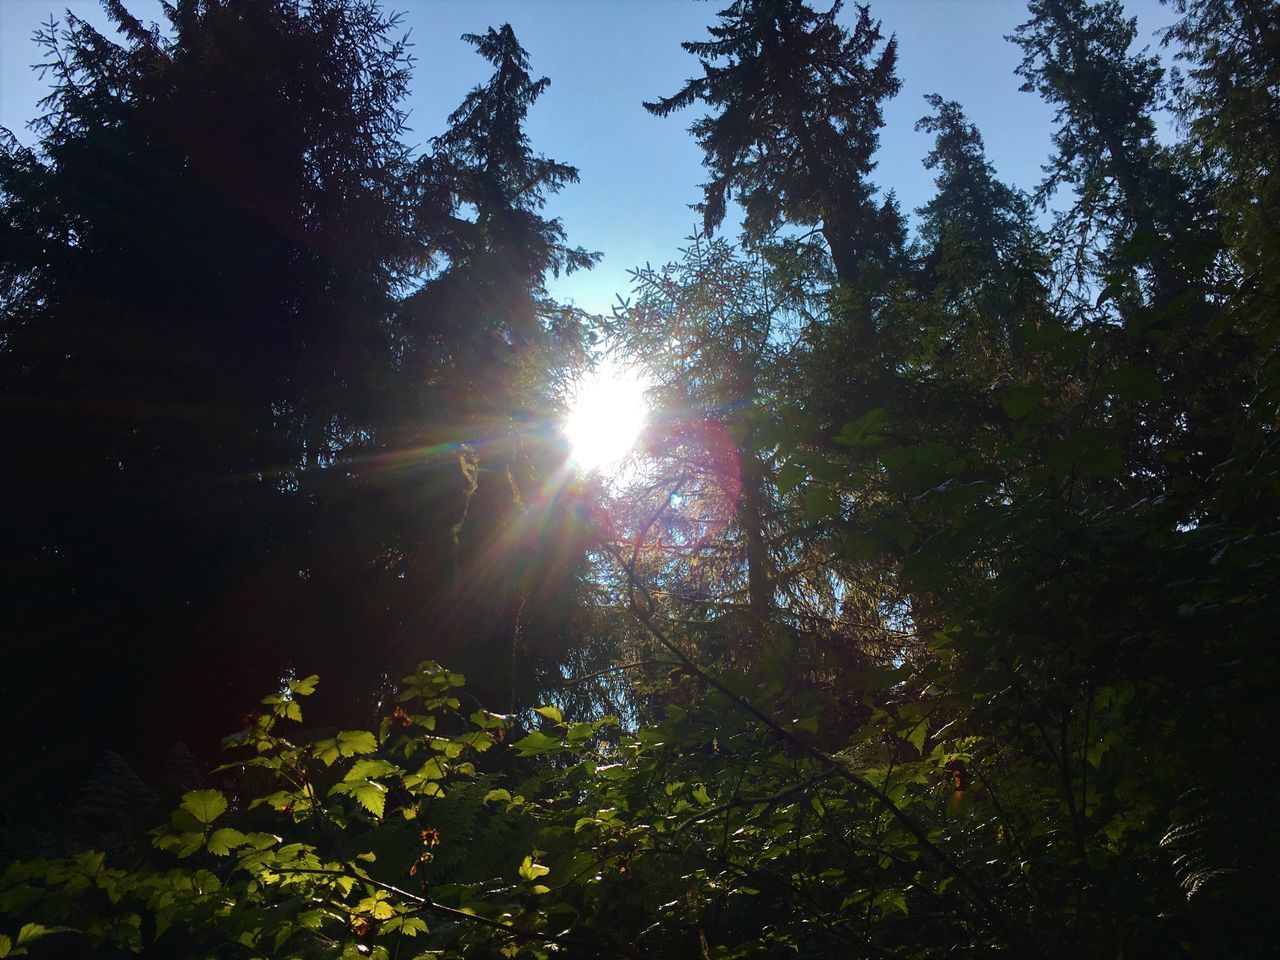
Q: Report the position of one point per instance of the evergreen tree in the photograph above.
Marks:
(484, 342)
(711, 331)
(1228, 100)
(795, 120)
(239, 445)
(1143, 233)
(201, 260)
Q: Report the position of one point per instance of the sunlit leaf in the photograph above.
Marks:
(205, 805)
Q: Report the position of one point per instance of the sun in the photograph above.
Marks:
(606, 414)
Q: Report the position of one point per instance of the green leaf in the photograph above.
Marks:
(6, 945)
(863, 432)
(205, 805)
(225, 839)
(790, 476)
(532, 871)
(820, 503)
(354, 742)
(917, 734)
(304, 687)
(32, 931)
(494, 795)
(369, 768)
(372, 796)
(434, 769)
(477, 740)
(551, 713)
(537, 743)
(409, 926)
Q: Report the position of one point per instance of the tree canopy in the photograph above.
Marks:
(934, 616)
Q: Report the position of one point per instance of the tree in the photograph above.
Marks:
(202, 258)
(1061, 745)
(1146, 250)
(798, 116)
(709, 329)
(238, 439)
(1228, 101)
(483, 341)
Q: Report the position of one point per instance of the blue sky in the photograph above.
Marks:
(640, 173)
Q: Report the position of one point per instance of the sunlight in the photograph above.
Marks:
(606, 414)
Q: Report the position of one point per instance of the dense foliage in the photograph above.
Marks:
(938, 621)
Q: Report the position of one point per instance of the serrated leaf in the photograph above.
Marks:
(409, 926)
(261, 841)
(499, 794)
(433, 769)
(304, 687)
(376, 907)
(326, 751)
(820, 503)
(205, 805)
(865, 431)
(917, 734)
(477, 740)
(372, 796)
(790, 476)
(488, 721)
(367, 769)
(31, 931)
(354, 742)
(552, 713)
(225, 839)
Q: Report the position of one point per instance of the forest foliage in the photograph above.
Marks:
(939, 620)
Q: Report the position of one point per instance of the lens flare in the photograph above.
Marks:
(606, 415)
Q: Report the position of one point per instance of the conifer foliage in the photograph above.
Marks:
(938, 619)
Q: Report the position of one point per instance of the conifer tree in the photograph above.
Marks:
(485, 342)
(201, 258)
(712, 332)
(1077, 55)
(1143, 234)
(795, 103)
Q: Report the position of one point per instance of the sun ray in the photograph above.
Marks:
(606, 415)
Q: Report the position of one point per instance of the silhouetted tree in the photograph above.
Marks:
(484, 342)
(796, 113)
(226, 428)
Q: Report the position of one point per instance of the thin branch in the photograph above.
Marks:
(574, 681)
